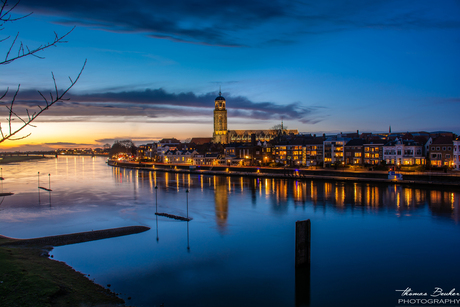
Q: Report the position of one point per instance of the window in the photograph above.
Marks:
(449, 148)
(357, 154)
(447, 156)
(399, 152)
(432, 148)
(444, 148)
(438, 148)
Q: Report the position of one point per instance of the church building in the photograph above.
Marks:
(223, 136)
(220, 121)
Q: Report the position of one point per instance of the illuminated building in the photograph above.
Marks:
(456, 154)
(373, 152)
(220, 121)
(354, 152)
(403, 152)
(333, 150)
(223, 136)
(441, 151)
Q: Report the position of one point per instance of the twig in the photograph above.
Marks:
(31, 118)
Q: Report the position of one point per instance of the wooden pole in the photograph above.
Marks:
(302, 243)
(302, 263)
(186, 193)
(156, 199)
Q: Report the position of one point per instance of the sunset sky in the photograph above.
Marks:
(155, 67)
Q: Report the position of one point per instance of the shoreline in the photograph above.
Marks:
(416, 178)
(14, 159)
(47, 282)
(26, 263)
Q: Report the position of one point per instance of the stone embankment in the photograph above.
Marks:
(74, 237)
(416, 178)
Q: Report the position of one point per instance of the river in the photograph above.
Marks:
(367, 242)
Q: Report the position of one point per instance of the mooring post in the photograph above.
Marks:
(302, 263)
(302, 243)
(186, 193)
(156, 199)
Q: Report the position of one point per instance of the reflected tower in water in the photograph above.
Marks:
(221, 201)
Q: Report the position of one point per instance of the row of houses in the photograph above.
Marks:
(438, 149)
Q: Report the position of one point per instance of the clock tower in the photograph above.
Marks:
(220, 121)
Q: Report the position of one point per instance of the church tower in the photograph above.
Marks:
(220, 121)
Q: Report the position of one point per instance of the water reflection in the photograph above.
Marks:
(241, 236)
(221, 191)
(336, 195)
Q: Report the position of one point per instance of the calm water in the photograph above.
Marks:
(367, 240)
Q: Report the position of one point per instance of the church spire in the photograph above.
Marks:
(220, 93)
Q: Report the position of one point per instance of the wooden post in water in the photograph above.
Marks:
(156, 199)
(302, 263)
(302, 243)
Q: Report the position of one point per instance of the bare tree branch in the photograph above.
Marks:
(27, 122)
(24, 51)
(32, 52)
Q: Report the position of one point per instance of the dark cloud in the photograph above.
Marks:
(204, 22)
(67, 144)
(136, 141)
(237, 23)
(159, 106)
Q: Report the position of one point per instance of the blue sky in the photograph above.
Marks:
(155, 67)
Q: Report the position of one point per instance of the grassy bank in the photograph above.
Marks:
(29, 278)
(13, 159)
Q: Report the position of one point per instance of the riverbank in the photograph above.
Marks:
(13, 159)
(24, 265)
(409, 178)
(29, 278)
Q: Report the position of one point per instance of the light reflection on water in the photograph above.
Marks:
(367, 240)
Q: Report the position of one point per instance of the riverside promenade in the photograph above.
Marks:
(410, 178)
(73, 238)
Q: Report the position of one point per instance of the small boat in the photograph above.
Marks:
(392, 175)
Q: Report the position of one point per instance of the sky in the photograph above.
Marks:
(155, 67)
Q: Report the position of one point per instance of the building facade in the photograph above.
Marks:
(220, 121)
(403, 152)
(440, 152)
(354, 152)
(456, 154)
(373, 152)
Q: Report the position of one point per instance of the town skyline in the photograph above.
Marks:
(328, 68)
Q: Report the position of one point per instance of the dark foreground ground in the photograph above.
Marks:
(29, 278)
